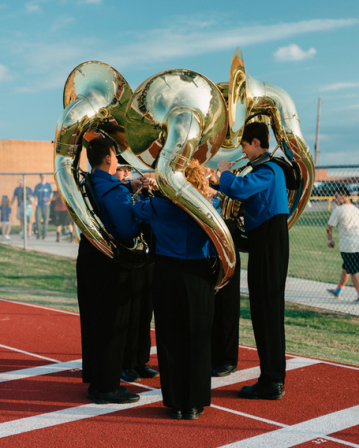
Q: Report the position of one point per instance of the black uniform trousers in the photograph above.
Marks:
(138, 342)
(183, 300)
(104, 292)
(225, 332)
(267, 273)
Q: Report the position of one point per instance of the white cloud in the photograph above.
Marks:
(32, 7)
(62, 22)
(186, 42)
(90, 2)
(340, 86)
(4, 74)
(293, 53)
(47, 59)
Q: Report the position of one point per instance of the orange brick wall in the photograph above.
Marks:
(24, 156)
(21, 156)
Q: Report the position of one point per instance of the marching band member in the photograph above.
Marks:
(138, 341)
(104, 287)
(183, 299)
(265, 219)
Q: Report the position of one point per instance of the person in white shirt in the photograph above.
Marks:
(346, 217)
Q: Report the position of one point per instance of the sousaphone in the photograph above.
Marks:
(251, 100)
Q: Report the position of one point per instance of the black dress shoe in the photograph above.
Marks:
(272, 391)
(119, 396)
(176, 414)
(91, 391)
(193, 413)
(130, 375)
(147, 372)
(224, 370)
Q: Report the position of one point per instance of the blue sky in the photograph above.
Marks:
(309, 48)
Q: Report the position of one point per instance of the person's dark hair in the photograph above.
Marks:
(342, 190)
(257, 130)
(5, 201)
(98, 149)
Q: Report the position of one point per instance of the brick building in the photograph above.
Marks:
(21, 156)
(26, 156)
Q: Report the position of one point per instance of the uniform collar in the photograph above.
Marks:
(104, 175)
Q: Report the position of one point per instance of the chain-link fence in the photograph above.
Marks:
(314, 268)
(18, 199)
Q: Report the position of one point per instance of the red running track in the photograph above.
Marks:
(43, 401)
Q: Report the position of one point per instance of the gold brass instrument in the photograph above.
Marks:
(172, 117)
(227, 151)
(95, 96)
(251, 100)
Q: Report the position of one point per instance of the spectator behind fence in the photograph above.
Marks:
(18, 194)
(43, 196)
(28, 210)
(346, 217)
(5, 210)
(62, 218)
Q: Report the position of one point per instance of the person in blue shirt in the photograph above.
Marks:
(43, 195)
(5, 212)
(265, 220)
(104, 287)
(183, 300)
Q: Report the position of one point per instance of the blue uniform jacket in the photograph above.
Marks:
(177, 234)
(263, 190)
(116, 206)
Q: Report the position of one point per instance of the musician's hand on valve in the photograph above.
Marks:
(224, 165)
(136, 184)
(149, 183)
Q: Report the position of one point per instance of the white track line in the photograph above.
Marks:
(265, 420)
(243, 414)
(39, 306)
(254, 372)
(315, 428)
(340, 365)
(91, 410)
(72, 414)
(41, 370)
(28, 353)
(247, 347)
(238, 377)
(153, 350)
(45, 369)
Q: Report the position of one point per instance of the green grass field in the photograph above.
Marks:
(36, 278)
(51, 281)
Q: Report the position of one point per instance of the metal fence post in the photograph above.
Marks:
(24, 210)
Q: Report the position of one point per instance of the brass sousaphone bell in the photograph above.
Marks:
(95, 100)
(173, 117)
(251, 100)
